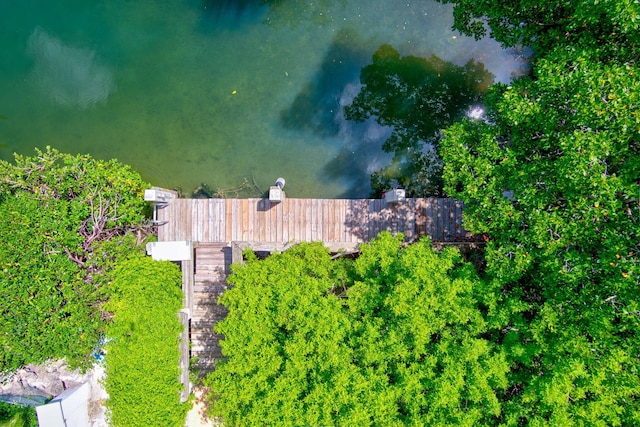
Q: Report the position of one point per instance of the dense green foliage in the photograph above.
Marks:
(17, 416)
(393, 338)
(564, 244)
(564, 250)
(142, 363)
(418, 97)
(64, 221)
(605, 27)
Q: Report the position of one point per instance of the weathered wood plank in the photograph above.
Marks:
(278, 221)
(244, 220)
(349, 221)
(222, 220)
(288, 219)
(231, 218)
(309, 219)
(316, 217)
(458, 222)
(451, 221)
(411, 220)
(428, 213)
(324, 229)
(442, 218)
(376, 212)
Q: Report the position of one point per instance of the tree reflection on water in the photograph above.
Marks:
(418, 97)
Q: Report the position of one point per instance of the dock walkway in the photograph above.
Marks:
(327, 220)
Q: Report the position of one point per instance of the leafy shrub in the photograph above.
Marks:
(142, 362)
(394, 338)
(17, 416)
(64, 222)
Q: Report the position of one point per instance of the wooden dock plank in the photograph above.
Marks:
(251, 216)
(222, 220)
(411, 220)
(316, 220)
(450, 220)
(244, 220)
(310, 219)
(288, 217)
(349, 220)
(441, 219)
(324, 229)
(420, 222)
(277, 218)
(427, 213)
(231, 221)
(377, 215)
(341, 219)
(459, 232)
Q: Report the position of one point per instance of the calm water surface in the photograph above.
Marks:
(219, 92)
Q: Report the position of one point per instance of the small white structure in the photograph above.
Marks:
(69, 409)
(181, 250)
(276, 194)
(395, 196)
(159, 197)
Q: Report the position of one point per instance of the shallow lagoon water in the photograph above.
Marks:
(215, 92)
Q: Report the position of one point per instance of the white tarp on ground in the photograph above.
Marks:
(181, 250)
(69, 409)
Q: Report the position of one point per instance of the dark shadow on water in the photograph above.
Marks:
(386, 110)
(346, 166)
(318, 110)
(315, 108)
(276, 13)
(229, 14)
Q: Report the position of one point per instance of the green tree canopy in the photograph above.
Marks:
(394, 338)
(64, 220)
(608, 28)
(552, 177)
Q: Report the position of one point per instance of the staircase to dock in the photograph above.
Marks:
(212, 265)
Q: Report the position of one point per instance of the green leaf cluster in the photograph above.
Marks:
(551, 178)
(142, 362)
(64, 222)
(17, 416)
(393, 338)
(605, 27)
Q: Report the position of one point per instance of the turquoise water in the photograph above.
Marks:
(215, 92)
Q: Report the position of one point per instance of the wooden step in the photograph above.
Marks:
(203, 323)
(206, 347)
(212, 311)
(209, 286)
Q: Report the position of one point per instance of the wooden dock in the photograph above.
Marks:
(326, 220)
(219, 227)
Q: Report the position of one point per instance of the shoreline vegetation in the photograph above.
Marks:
(540, 329)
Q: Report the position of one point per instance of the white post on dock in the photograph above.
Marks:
(276, 194)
